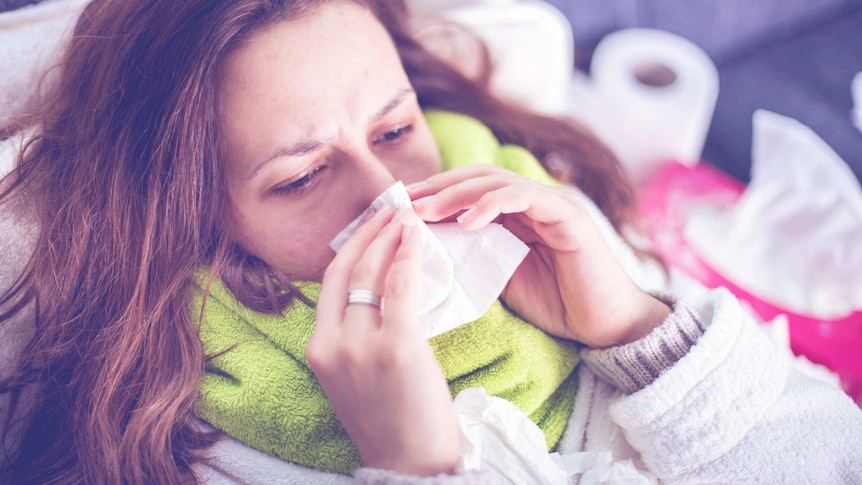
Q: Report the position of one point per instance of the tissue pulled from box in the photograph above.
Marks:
(793, 238)
(463, 272)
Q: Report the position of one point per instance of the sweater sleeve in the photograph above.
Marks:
(731, 409)
(633, 366)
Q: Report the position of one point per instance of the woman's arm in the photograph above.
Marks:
(730, 409)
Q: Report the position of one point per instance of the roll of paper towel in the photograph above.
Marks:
(650, 96)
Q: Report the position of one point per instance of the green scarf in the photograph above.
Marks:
(260, 389)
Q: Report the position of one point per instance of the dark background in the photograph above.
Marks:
(794, 57)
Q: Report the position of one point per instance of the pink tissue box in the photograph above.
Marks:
(664, 204)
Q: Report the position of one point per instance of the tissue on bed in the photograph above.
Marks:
(497, 437)
(463, 272)
(793, 238)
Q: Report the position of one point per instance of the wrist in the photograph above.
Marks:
(633, 366)
(651, 312)
(417, 456)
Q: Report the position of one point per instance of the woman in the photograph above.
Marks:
(243, 136)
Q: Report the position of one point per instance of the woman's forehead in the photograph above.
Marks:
(314, 74)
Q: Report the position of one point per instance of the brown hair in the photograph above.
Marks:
(129, 197)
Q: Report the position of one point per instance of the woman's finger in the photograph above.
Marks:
(402, 287)
(557, 221)
(553, 215)
(439, 181)
(488, 196)
(457, 197)
(371, 271)
(336, 279)
(538, 205)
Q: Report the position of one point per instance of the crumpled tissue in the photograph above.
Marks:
(463, 272)
(599, 467)
(500, 439)
(793, 237)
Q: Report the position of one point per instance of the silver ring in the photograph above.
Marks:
(364, 297)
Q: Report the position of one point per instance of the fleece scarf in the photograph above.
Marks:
(259, 388)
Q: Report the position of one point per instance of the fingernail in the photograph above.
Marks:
(378, 214)
(424, 200)
(466, 215)
(404, 213)
(368, 215)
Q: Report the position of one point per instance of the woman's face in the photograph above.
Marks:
(317, 118)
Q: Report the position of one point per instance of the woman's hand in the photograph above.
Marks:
(570, 284)
(374, 365)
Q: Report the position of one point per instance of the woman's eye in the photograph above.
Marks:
(393, 137)
(302, 184)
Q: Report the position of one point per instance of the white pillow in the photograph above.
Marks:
(530, 42)
(31, 39)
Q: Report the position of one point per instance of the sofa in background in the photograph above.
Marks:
(793, 57)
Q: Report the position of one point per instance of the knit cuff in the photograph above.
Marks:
(374, 476)
(633, 366)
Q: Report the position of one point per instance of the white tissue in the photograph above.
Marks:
(498, 437)
(856, 92)
(594, 467)
(463, 272)
(794, 237)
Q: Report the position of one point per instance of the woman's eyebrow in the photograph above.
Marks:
(308, 146)
(399, 98)
(299, 148)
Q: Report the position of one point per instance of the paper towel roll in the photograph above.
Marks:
(651, 98)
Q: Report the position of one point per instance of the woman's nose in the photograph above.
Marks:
(373, 178)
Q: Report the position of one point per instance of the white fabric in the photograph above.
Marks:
(463, 272)
(530, 43)
(756, 422)
(30, 43)
(232, 462)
